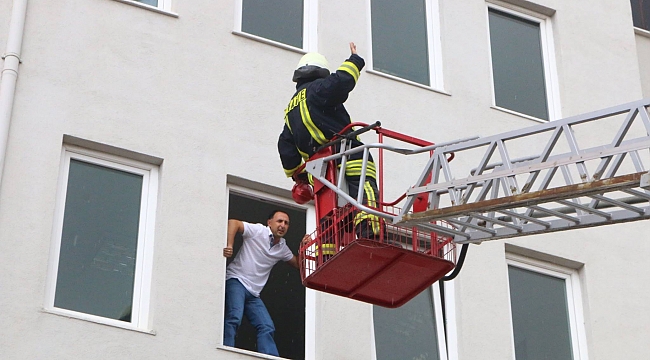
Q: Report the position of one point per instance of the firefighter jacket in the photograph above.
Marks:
(316, 113)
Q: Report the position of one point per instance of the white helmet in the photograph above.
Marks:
(311, 66)
(314, 59)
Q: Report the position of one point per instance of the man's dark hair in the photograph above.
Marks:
(272, 214)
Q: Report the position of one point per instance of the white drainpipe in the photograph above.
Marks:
(9, 74)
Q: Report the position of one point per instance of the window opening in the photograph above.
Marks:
(546, 311)
(519, 64)
(283, 295)
(641, 14)
(412, 331)
(415, 20)
(284, 22)
(103, 239)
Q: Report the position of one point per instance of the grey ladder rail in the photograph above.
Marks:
(582, 171)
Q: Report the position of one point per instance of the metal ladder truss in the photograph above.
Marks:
(582, 171)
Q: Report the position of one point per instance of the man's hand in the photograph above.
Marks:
(227, 252)
(306, 239)
(353, 48)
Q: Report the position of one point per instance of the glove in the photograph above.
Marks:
(301, 177)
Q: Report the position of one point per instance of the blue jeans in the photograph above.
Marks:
(240, 302)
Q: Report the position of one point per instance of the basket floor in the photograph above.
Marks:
(377, 273)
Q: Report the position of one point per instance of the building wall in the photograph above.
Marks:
(643, 52)
(209, 103)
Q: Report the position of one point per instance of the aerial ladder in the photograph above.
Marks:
(563, 178)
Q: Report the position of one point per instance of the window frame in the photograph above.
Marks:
(310, 295)
(164, 6)
(447, 342)
(548, 59)
(309, 28)
(434, 48)
(574, 300)
(141, 301)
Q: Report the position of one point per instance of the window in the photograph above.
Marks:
(283, 295)
(413, 331)
(416, 20)
(101, 261)
(522, 64)
(164, 5)
(284, 22)
(641, 14)
(546, 309)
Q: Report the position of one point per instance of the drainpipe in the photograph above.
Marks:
(9, 74)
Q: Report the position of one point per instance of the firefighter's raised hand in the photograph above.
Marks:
(227, 252)
(353, 48)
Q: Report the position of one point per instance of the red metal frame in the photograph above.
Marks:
(386, 271)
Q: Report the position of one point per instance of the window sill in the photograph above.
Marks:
(409, 82)
(511, 112)
(642, 32)
(96, 320)
(149, 7)
(266, 41)
(248, 352)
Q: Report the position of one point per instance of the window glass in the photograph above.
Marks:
(149, 2)
(517, 64)
(99, 240)
(278, 20)
(407, 332)
(283, 294)
(641, 13)
(540, 317)
(394, 22)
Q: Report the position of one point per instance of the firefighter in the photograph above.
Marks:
(315, 114)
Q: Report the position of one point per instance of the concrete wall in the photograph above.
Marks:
(209, 103)
(643, 52)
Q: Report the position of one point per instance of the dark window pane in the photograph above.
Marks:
(98, 242)
(283, 294)
(399, 39)
(408, 332)
(517, 65)
(278, 20)
(149, 2)
(641, 13)
(540, 318)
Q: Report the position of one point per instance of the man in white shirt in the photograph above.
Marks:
(246, 275)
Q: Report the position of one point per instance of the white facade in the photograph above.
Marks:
(181, 89)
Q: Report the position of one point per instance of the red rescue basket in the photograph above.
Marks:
(387, 270)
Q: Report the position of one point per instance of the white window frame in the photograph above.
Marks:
(548, 58)
(164, 6)
(140, 319)
(434, 48)
(309, 28)
(574, 300)
(450, 307)
(310, 295)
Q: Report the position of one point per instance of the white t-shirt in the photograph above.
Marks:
(256, 258)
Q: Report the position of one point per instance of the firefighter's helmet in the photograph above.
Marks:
(311, 66)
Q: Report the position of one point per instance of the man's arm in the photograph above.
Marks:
(234, 227)
(294, 261)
